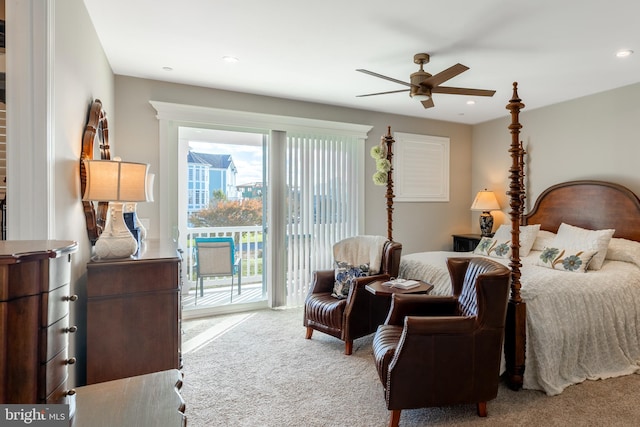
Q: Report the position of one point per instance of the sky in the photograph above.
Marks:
(247, 158)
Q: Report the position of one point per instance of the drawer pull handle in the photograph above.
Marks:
(70, 361)
(72, 298)
(71, 392)
(71, 329)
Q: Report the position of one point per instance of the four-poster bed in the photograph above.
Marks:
(562, 327)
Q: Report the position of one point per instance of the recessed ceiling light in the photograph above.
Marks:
(623, 53)
(230, 59)
(167, 68)
(471, 102)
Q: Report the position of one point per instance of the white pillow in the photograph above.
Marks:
(624, 250)
(576, 238)
(575, 261)
(543, 240)
(493, 248)
(528, 235)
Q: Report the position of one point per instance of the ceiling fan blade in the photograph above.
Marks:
(383, 93)
(371, 73)
(462, 91)
(428, 103)
(445, 75)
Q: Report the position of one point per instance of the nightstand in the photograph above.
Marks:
(465, 242)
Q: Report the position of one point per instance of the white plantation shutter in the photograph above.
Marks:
(324, 199)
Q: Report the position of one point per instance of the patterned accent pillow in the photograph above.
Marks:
(493, 248)
(345, 274)
(528, 234)
(566, 260)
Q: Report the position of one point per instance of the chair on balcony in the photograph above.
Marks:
(445, 350)
(216, 257)
(357, 315)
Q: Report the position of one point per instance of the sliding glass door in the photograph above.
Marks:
(311, 192)
(223, 183)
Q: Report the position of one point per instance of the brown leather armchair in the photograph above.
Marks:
(357, 315)
(445, 350)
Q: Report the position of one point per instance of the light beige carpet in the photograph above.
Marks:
(258, 370)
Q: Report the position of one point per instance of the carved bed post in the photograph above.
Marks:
(389, 141)
(515, 329)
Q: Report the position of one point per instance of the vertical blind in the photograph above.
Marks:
(323, 194)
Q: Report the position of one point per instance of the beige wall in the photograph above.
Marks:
(419, 226)
(594, 137)
(81, 74)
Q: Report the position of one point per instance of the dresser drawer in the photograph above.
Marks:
(123, 278)
(54, 373)
(59, 271)
(55, 304)
(22, 279)
(62, 395)
(54, 338)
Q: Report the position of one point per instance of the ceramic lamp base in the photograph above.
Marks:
(486, 224)
(116, 241)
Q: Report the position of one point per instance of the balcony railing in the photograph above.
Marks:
(248, 245)
(304, 255)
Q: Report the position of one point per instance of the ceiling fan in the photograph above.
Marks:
(423, 84)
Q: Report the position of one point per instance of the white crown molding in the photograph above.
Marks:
(245, 119)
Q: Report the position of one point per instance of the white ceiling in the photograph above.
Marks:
(309, 50)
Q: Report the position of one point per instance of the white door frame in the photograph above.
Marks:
(171, 116)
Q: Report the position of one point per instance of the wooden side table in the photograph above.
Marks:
(134, 314)
(382, 301)
(465, 242)
(379, 289)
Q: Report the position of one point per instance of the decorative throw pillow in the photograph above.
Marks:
(544, 239)
(576, 238)
(624, 250)
(345, 274)
(528, 234)
(493, 248)
(566, 260)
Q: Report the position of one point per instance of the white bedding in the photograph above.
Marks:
(579, 325)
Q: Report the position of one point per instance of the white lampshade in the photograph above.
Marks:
(115, 181)
(485, 201)
(150, 178)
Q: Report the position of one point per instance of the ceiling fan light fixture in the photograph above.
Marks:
(420, 97)
(623, 53)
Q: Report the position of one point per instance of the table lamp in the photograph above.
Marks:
(115, 182)
(132, 210)
(485, 202)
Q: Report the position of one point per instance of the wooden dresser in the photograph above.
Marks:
(35, 293)
(145, 401)
(134, 313)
